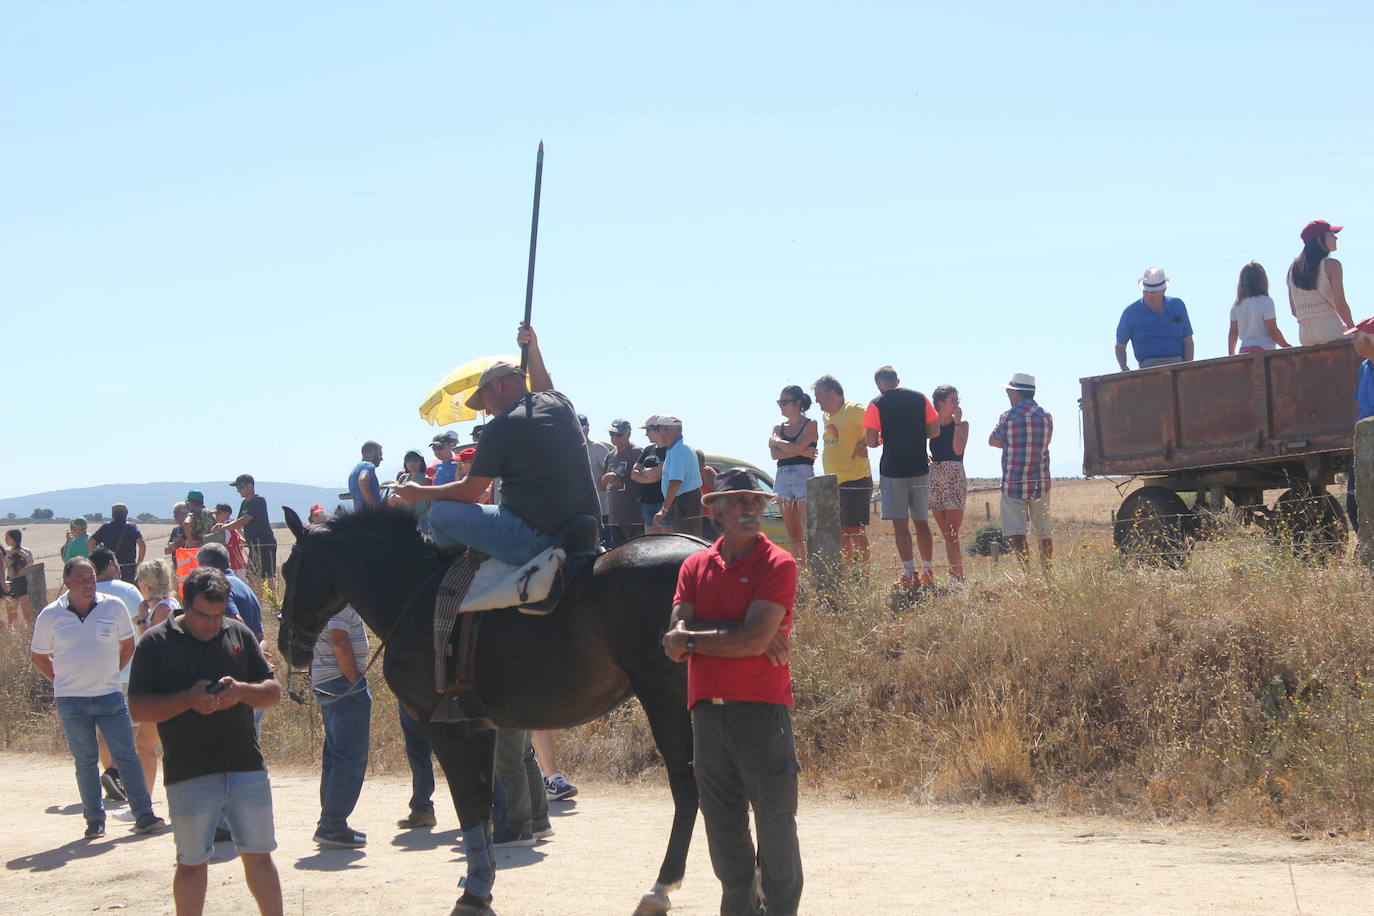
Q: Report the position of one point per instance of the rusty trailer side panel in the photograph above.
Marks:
(1238, 411)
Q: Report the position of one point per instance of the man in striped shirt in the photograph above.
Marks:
(1023, 434)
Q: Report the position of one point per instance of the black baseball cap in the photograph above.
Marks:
(241, 480)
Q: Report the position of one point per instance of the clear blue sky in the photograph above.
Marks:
(248, 237)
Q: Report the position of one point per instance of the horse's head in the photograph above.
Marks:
(311, 597)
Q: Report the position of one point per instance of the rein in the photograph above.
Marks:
(361, 682)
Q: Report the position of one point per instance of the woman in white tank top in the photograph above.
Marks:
(1316, 288)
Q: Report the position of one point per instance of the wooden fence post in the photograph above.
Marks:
(1364, 488)
(38, 587)
(823, 528)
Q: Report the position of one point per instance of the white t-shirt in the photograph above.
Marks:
(85, 653)
(131, 598)
(1249, 315)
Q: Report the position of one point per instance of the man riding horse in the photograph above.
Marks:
(534, 445)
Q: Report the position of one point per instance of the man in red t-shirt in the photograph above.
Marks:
(731, 616)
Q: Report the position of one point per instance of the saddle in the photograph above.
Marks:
(475, 582)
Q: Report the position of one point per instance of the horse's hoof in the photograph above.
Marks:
(472, 905)
(654, 903)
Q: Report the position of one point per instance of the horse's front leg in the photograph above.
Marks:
(466, 756)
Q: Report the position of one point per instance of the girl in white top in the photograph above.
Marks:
(1316, 287)
(1253, 325)
(154, 580)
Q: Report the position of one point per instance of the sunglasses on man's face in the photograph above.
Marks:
(653, 429)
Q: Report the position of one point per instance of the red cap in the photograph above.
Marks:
(467, 454)
(1316, 228)
(1367, 325)
(313, 509)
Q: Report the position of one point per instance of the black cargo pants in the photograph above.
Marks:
(744, 755)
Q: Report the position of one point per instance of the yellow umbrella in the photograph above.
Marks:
(445, 403)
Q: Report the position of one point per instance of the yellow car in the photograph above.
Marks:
(772, 515)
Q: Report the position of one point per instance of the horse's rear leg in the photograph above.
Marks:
(662, 693)
(467, 757)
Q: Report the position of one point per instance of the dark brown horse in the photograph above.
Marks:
(600, 646)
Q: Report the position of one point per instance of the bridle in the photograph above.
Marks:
(294, 641)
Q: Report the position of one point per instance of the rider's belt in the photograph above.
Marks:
(720, 701)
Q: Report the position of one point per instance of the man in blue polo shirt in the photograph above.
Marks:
(1156, 325)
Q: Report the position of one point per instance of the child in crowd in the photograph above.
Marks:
(238, 561)
(77, 540)
(1253, 325)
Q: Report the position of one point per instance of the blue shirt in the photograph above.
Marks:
(681, 464)
(355, 486)
(1152, 335)
(1364, 390)
(244, 604)
(445, 472)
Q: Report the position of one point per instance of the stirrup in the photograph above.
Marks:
(453, 709)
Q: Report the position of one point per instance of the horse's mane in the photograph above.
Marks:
(392, 524)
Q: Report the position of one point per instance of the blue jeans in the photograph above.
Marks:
(347, 725)
(648, 511)
(493, 530)
(80, 717)
(418, 754)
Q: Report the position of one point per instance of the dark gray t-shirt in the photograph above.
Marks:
(625, 500)
(541, 458)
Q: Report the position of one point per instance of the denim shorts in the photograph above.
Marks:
(905, 497)
(791, 480)
(195, 805)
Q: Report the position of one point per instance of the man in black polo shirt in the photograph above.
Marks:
(199, 676)
(534, 445)
(902, 420)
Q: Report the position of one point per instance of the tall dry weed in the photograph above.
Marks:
(1236, 689)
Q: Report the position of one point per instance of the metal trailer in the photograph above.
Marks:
(1226, 429)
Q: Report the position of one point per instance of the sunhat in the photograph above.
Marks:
(1021, 381)
(1154, 280)
(736, 480)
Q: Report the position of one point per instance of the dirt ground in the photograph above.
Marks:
(860, 858)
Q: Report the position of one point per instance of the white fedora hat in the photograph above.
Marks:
(1021, 381)
(1154, 280)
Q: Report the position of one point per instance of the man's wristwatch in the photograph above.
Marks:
(691, 643)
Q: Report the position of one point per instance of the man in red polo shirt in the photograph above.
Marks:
(731, 616)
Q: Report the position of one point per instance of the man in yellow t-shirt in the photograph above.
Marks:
(845, 454)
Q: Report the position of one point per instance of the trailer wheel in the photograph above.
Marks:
(1154, 525)
(1312, 521)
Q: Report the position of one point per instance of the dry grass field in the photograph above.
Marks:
(1235, 689)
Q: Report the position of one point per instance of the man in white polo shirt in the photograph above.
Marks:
(80, 643)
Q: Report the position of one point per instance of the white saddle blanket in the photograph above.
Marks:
(499, 585)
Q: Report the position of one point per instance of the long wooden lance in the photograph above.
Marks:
(534, 244)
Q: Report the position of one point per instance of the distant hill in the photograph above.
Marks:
(158, 498)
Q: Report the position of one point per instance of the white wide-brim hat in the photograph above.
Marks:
(1021, 381)
(1154, 280)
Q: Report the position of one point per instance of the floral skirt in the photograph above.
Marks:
(948, 485)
